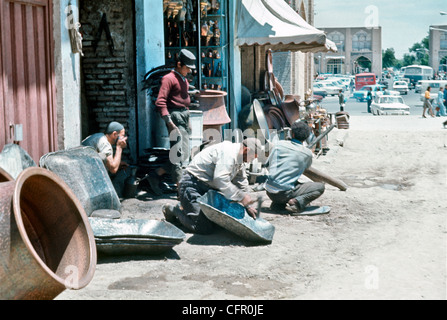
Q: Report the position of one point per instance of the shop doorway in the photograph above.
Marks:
(27, 85)
(335, 66)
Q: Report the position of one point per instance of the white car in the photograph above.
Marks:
(329, 87)
(418, 86)
(401, 86)
(340, 82)
(389, 105)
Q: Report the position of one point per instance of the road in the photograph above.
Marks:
(356, 108)
(385, 237)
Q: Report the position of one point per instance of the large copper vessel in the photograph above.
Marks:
(46, 242)
(5, 176)
(213, 105)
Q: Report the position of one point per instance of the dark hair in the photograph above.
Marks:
(300, 130)
(112, 127)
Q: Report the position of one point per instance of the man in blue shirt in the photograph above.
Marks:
(287, 162)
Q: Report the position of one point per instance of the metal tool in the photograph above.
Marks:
(258, 213)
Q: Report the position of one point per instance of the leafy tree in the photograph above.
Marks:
(421, 51)
(389, 58)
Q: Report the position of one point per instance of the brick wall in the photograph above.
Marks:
(108, 75)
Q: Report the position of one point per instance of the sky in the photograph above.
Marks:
(403, 22)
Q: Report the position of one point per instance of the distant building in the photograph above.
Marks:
(438, 48)
(359, 50)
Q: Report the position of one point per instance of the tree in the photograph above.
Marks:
(389, 58)
(421, 51)
(408, 59)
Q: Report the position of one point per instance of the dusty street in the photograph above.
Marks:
(385, 237)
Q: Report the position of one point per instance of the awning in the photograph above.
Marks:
(274, 22)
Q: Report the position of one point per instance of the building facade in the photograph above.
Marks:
(438, 48)
(59, 93)
(294, 70)
(359, 50)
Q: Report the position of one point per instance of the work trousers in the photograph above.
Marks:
(189, 190)
(304, 193)
(180, 150)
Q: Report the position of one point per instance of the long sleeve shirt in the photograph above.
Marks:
(173, 93)
(286, 163)
(221, 167)
(440, 98)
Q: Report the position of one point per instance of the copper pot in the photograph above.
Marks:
(212, 103)
(5, 176)
(46, 242)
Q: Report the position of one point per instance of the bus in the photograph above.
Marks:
(364, 79)
(416, 73)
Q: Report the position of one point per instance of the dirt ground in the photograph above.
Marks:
(385, 237)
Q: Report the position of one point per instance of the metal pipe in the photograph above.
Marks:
(321, 136)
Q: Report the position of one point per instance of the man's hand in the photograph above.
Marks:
(171, 126)
(252, 212)
(246, 202)
(122, 142)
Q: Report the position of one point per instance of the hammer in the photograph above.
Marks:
(259, 207)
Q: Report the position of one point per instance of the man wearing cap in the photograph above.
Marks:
(219, 167)
(114, 134)
(287, 162)
(173, 105)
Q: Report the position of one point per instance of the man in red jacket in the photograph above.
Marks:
(173, 105)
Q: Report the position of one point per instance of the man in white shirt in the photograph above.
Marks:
(220, 167)
(114, 134)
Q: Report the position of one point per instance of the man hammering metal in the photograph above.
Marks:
(219, 167)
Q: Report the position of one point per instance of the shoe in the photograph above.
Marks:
(154, 183)
(168, 212)
(423, 116)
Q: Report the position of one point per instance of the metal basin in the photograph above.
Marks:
(134, 236)
(233, 217)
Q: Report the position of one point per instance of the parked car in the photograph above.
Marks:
(329, 87)
(401, 86)
(319, 91)
(418, 86)
(360, 95)
(389, 105)
(339, 82)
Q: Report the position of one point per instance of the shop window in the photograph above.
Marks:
(200, 27)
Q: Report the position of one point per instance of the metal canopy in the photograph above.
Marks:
(273, 22)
